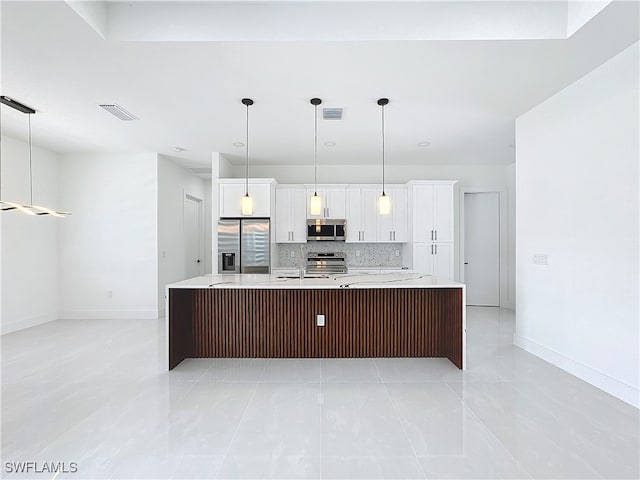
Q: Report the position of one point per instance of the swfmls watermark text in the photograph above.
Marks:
(40, 467)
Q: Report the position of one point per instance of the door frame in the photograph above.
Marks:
(503, 239)
(201, 223)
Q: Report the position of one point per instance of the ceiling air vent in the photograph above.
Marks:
(332, 113)
(117, 111)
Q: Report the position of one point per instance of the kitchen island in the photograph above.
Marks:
(266, 316)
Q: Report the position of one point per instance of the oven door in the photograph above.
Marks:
(321, 231)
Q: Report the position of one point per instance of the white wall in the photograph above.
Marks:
(174, 182)
(467, 175)
(577, 183)
(109, 244)
(29, 245)
(511, 226)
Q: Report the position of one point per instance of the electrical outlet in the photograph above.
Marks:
(292, 254)
(540, 259)
(320, 320)
(358, 253)
(109, 293)
(397, 252)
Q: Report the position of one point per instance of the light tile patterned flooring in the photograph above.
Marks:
(95, 393)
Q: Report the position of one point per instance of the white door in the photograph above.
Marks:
(336, 203)
(354, 215)
(369, 214)
(192, 237)
(283, 215)
(442, 260)
(299, 215)
(400, 215)
(443, 214)
(423, 213)
(482, 248)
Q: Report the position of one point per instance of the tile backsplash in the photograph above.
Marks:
(371, 254)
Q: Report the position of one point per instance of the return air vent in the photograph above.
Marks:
(332, 113)
(117, 111)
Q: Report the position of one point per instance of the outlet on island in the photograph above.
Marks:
(320, 320)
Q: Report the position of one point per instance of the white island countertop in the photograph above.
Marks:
(345, 280)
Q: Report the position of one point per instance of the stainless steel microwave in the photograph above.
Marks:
(326, 230)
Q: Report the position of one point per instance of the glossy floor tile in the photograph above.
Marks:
(96, 393)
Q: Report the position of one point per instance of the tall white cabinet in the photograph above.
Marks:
(432, 235)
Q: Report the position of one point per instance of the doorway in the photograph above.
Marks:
(193, 236)
(482, 248)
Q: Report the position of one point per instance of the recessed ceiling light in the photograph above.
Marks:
(178, 149)
(238, 144)
(329, 144)
(424, 144)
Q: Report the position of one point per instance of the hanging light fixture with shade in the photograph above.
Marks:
(384, 201)
(315, 203)
(247, 201)
(29, 209)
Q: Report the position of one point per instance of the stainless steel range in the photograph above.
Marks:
(326, 262)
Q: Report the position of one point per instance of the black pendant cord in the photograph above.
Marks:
(30, 165)
(315, 150)
(246, 189)
(383, 150)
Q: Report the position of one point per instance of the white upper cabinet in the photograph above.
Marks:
(392, 228)
(291, 215)
(333, 202)
(433, 212)
(231, 194)
(361, 214)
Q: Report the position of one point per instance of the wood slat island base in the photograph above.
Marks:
(281, 323)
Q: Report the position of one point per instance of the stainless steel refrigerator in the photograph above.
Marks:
(243, 245)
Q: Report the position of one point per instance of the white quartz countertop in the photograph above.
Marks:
(346, 280)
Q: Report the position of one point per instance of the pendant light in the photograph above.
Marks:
(315, 204)
(247, 201)
(384, 201)
(30, 209)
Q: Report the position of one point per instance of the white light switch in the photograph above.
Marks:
(540, 259)
(397, 253)
(292, 254)
(358, 253)
(320, 320)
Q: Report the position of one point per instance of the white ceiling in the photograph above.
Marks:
(462, 96)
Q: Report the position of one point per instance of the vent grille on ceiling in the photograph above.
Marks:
(117, 111)
(332, 113)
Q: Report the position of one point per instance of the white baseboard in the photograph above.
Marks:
(110, 315)
(8, 327)
(615, 387)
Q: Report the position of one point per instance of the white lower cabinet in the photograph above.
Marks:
(434, 259)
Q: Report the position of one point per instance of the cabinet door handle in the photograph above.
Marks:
(436, 249)
(431, 249)
(394, 235)
(431, 234)
(436, 235)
